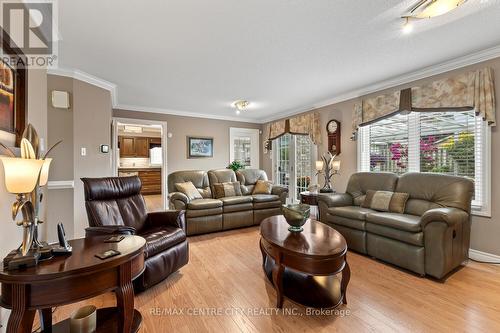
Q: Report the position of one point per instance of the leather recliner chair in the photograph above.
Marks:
(115, 206)
(432, 235)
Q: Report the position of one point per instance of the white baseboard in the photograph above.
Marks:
(483, 256)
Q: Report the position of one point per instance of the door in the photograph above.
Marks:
(293, 163)
(244, 147)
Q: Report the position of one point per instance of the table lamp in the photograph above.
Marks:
(24, 176)
(21, 177)
(328, 167)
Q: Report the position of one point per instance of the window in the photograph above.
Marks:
(453, 143)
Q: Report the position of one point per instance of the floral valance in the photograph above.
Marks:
(468, 91)
(306, 124)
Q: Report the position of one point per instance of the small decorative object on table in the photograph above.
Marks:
(84, 320)
(296, 216)
(328, 167)
(236, 165)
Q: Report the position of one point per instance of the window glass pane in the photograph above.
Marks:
(447, 143)
(389, 144)
(283, 160)
(242, 149)
(303, 157)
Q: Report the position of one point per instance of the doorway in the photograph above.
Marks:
(141, 150)
(293, 163)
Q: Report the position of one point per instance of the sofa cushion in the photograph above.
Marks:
(265, 197)
(414, 238)
(351, 212)
(203, 212)
(262, 187)
(189, 190)
(228, 201)
(161, 239)
(204, 204)
(239, 207)
(404, 222)
(229, 189)
(346, 222)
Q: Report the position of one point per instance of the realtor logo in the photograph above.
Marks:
(29, 26)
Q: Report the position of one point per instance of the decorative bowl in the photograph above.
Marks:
(296, 216)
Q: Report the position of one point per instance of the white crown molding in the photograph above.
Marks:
(60, 184)
(467, 60)
(88, 78)
(457, 63)
(483, 256)
(184, 113)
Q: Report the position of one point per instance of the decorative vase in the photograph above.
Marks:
(296, 216)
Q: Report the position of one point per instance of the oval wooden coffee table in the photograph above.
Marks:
(68, 279)
(303, 266)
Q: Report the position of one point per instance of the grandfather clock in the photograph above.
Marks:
(333, 130)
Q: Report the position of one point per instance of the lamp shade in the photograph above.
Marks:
(336, 165)
(319, 165)
(44, 174)
(21, 174)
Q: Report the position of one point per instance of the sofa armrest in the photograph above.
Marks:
(281, 191)
(335, 200)
(109, 230)
(173, 218)
(178, 200)
(448, 215)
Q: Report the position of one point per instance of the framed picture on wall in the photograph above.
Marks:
(12, 96)
(200, 147)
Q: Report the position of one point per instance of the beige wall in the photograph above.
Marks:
(181, 127)
(86, 124)
(485, 231)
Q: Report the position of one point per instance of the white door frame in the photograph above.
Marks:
(116, 157)
(254, 135)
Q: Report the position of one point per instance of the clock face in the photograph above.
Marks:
(332, 126)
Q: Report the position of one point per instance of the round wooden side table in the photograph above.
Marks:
(303, 266)
(68, 279)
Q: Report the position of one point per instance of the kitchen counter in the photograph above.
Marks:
(152, 168)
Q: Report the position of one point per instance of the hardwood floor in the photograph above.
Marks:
(224, 274)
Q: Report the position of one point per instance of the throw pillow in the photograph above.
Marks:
(229, 189)
(189, 190)
(386, 201)
(262, 187)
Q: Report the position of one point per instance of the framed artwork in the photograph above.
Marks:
(12, 96)
(200, 147)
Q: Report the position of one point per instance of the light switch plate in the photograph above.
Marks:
(83, 151)
(60, 99)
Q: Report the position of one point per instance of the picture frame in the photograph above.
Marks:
(13, 95)
(199, 147)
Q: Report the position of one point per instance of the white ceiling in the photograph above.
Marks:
(282, 55)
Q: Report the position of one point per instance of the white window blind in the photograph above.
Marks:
(453, 143)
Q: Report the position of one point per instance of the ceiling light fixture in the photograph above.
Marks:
(240, 105)
(427, 9)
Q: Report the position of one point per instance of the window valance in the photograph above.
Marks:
(306, 124)
(468, 91)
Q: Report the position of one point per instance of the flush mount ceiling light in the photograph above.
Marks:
(132, 129)
(427, 9)
(240, 105)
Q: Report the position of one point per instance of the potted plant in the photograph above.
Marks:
(235, 166)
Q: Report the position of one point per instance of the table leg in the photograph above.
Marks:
(125, 298)
(46, 320)
(346, 276)
(20, 319)
(278, 270)
(264, 255)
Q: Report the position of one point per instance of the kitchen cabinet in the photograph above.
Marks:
(150, 178)
(135, 146)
